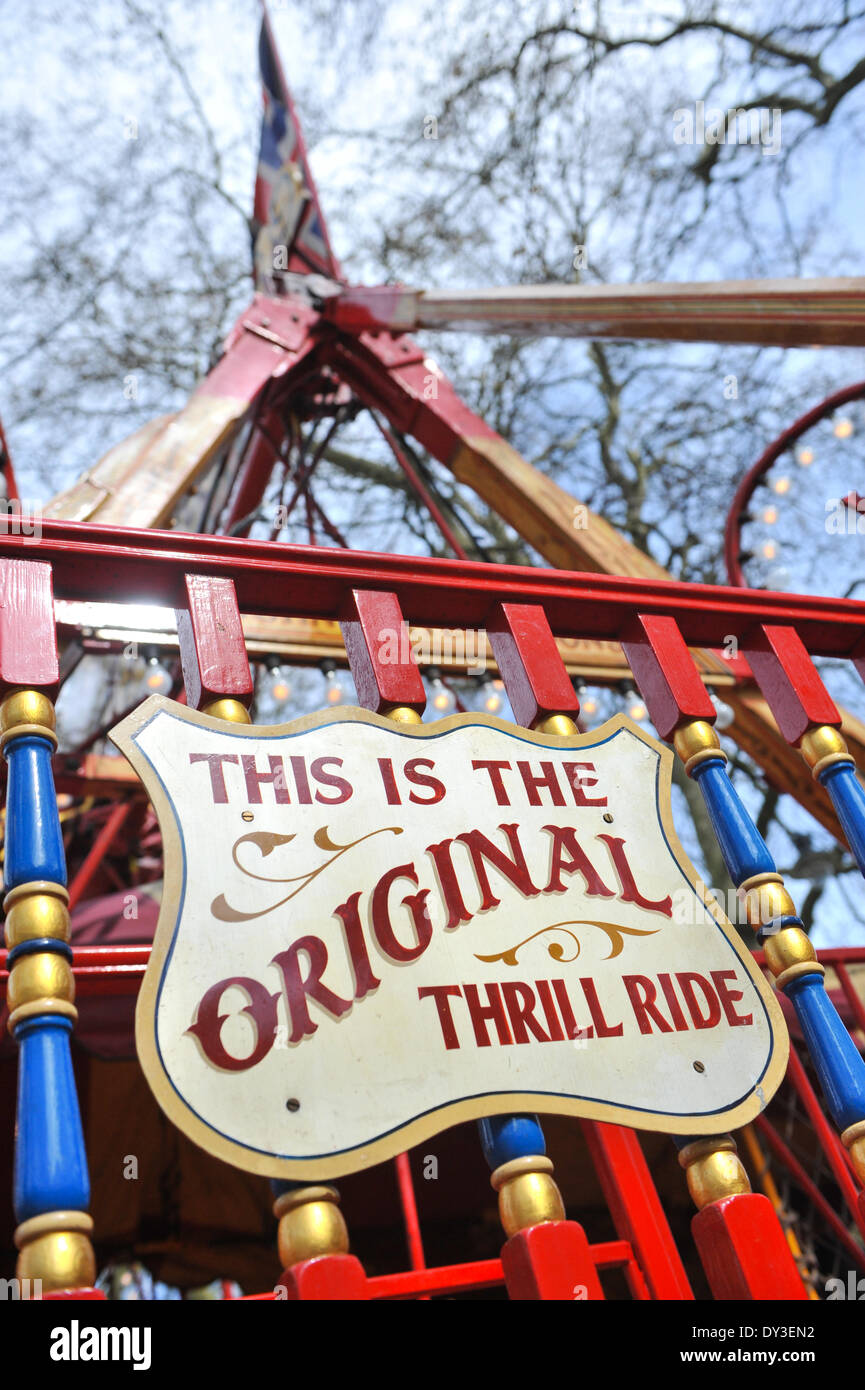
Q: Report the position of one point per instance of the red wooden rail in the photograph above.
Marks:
(90, 561)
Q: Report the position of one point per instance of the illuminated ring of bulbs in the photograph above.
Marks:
(746, 488)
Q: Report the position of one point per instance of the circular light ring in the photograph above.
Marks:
(745, 490)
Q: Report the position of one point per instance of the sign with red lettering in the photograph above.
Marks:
(372, 931)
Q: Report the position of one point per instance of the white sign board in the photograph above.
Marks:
(370, 931)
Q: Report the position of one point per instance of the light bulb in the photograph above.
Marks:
(769, 550)
(637, 710)
(724, 715)
(781, 485)
(156, 678)
(276, 686)
(806, 457)
(843, 429)
(589, 706)
(493, 701)
(442, 698)
(335, 694)
(770, 516)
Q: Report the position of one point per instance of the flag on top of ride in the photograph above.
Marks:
(289, 231)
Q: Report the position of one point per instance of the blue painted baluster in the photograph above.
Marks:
(848, 798)
(51, 1186)
(769, 907)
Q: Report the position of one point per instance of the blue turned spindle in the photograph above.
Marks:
(51, 1188)
(34, 843)
(789, 954)
(50, 1162)
(848, 797)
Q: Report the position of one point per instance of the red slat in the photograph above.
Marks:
(635, 1207)
(529, 663)
(376, 640)
(28, 637)
(789, 680)
(212, 646)
(664, 670)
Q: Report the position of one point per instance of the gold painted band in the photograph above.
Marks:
(287, 1201)
(702, 755)
(828, 761)
(701, 1148)
(852, 1133)
(18, 730)
(52, 1221)
(757, 881)
(802, 967)
(37, 885)
(41, 1006)
(532, 1163)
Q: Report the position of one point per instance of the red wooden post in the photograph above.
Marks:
(550, 1260)
(744, 1252)
(737, 1232)
(664, 670)
(789, 680)
(376, 639)
(636, 1208)
(529, 663)
(330, 1278)
(212, 646)
(51, 1190)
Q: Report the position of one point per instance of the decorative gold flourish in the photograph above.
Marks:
(556, 950)
(266, 842)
